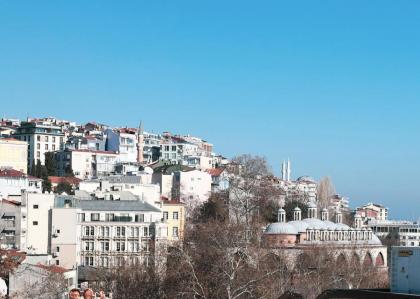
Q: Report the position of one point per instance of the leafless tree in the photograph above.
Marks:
(325, 190)
(249, 187)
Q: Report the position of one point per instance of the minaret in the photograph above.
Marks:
(283, 171)
(140, 141)
(288, 170)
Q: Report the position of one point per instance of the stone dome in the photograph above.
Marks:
(375, 240)
(300, 226)
(315, 223)
(281, 228)
(296, 209)
(311, 205)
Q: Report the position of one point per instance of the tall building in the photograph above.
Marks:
(42, 137)
(14, 154)
(373, 211)
(123, 141)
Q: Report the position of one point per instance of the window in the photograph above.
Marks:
(38, 154)
(38, 138)
(58, 231)
(94, 217)
(167, 148)
(120, 246)
(89, 246)
(36, 206)
(53, 139)
(89, 261)
(139, 218)
(173, 148)
(46, 138)
(165, 215)
(57, 249)
(104, 246)
(104, 231)
(175, 215)
(109, 217)
(53, 147)
(46, 147)
(57, 262)
(104, 261)
(145, 231)
(175, 232)
(35, 222)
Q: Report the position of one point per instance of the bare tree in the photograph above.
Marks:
(249, 187)
(325, 190)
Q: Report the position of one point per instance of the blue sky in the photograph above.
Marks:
(333, 85)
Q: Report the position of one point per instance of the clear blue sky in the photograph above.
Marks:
(334, 85)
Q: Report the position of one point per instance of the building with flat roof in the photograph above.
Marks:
(14, 154)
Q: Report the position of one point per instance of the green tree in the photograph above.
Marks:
(290, 205)
(38, 169)
(68, 171)
(50, 163)
(64, 187)
(46, 185)
(33, 168)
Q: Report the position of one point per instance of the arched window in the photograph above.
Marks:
(380, 260)
(368, 262)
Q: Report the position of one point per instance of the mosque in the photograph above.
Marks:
(304, 234)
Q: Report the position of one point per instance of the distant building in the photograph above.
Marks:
(86, 164)
(72, 181)
(42, 137)
(105, 233)
(294, 237)
(14, 154)
(219, 179)
(122, 141)
(372, 211)
(174, 215)
(402, 233)
(14, 182)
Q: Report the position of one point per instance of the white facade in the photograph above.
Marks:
(87, 164)
(372, 211)
(36, 210)
(13, 182)
(42, 137)
(193, 187)
(105, 233)
(402, 233)
(14, 154)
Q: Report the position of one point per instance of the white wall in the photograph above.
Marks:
(37, 234)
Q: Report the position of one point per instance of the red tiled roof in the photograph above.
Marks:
(215, 171)
(172, 201)
(12, 173)
(70, 180)
(11, 202)
(128, 130)
(52, 268)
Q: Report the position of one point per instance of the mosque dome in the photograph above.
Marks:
(375, 240)
(281, 228)
(297, 209)
(300, 226)
(315, 223)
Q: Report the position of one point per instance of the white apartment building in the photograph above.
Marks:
(151, 147)
(193, 187)
(14, 154)
(304, 186)
(13, 182)
(124, 142)
(105, 233)
(372, 211)
(86, 164)
(42, 137)
(401, 233)
(36, 222)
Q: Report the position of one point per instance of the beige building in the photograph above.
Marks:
(14, 154)
(174, 216)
